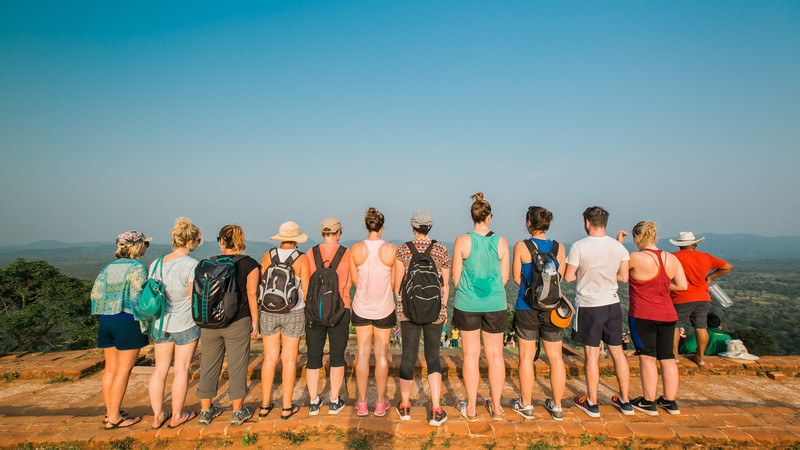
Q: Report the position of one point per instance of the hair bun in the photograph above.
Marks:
(478, 197)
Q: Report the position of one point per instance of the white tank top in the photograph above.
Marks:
(374, 299)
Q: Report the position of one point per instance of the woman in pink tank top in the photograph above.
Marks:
(373, 316)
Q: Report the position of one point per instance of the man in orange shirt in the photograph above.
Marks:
(694, 302)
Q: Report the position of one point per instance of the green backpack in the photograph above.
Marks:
(154, 298)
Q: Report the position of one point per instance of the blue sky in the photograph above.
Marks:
(116, 116)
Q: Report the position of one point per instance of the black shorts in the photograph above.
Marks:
(120, 333)
(652, 337)
(598, 323)
(529, 325)
(387, 322)
(695, 312)
(337, 339)
(490, 322)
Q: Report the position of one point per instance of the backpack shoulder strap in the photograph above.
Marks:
(412, 248)
(293, 257)
(273, 255)
(554, 251)
(430, 247)
(337, 258)
(318, 263)
(531, 246)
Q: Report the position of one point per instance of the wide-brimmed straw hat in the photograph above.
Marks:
(290, 232)
(685, 239)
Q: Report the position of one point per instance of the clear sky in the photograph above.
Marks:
(126, 115)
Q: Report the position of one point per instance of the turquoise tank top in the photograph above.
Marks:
(480, 288)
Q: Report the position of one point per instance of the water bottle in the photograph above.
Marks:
(549, 268)
(720, 295)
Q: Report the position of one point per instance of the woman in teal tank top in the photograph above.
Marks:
(480, 271)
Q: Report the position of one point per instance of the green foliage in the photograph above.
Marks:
(758, 342)
(41, 309)
(226, 444)
(600, 439)
(429, 443)
(10, 376)
(586, 439)
(121, 444)
(359, 444)
(294, 438)
(446, 443)
(543, 445)
(252, 438)
(490, 446)
(58, 379)
(627, 445)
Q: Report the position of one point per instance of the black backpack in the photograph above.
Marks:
(421, 288)
(278, 290)
(215, 300)
(324, 304)
(544, 290)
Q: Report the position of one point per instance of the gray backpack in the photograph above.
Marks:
(278, 291)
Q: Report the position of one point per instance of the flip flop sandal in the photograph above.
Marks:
(192, 415)
(119, 424)
(491, 412)
(161, 424)
(462, 409)
(121, 413)
(263, 411)
(294, 409)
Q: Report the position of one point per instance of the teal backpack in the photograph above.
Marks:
(154, 298)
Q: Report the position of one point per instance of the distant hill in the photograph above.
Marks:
(84, 260)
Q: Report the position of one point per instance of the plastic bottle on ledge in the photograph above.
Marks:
(720, 295)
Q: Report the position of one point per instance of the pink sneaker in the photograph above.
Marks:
(361, 408)
(381, 408)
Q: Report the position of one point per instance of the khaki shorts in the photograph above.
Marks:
(291, 324)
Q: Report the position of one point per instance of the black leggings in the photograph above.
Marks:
(410, 336)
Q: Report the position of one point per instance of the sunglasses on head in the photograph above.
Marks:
(146, 244)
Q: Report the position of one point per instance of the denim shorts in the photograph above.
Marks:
(179, 337)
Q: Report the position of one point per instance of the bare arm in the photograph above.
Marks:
(678, 282)
(458, 261)
(398, 276)
(353, 267)
(722, 271)
(505, 259)
(561, 256)
(303, 270)
(571, 274)
(516, 265)
(446, 287)
(252, 302)
(622, 273)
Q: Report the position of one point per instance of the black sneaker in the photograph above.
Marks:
(624, 407)
(438, 417)
(404, 411)
(313, 407)
(590, 410)
(669, 406)
(644, 406)
(336, 407)
(555, 411)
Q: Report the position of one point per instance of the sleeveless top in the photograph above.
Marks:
(544, 245)
(374, 299)
(480, 288)
(650, 298)
(283, 254)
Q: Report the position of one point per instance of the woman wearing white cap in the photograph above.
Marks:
(282, 330)
(115, 297)
(421, 223)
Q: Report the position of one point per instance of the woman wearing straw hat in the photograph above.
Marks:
(282, 330)
(653, 274)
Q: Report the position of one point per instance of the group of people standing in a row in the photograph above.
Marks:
(479, 268)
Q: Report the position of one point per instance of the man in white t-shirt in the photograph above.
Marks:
(598, 262)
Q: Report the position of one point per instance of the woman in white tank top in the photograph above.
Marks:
(282, 332)
(371, 266)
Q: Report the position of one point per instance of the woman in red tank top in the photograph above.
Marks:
(651, 316)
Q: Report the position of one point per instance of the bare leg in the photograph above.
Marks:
(702, 343)
(289, 363)
(381, 346)
(676, 342)
(527, 351)
(435, 384)
(163, 354)
(111, 354)
(405, 390)
(558, 373)
(493, 348)
(592, 369)
(312, 382)
(364, 339)
(180, 380)
(669, 375)
(622, 371)
(119, 384)
(272, 350)
(336, 377)
(471, 343)
(647, 368)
